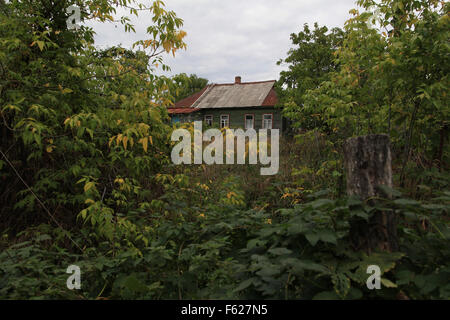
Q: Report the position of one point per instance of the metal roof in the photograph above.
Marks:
(236, 95)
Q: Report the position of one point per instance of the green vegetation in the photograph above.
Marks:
(185, 85)
(86, 176)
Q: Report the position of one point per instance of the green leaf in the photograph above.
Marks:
(388, 283)
(308, 265)
(341, 284)
(320, 203)
(327, 236)
(133, 284)
(255, 243)
(40, 44)
(359, 213)
(312, 238)
(280, 251)
(404, 277)
(434, 207)
(406, 202)
(389, 192)
(42, 237)
(244, 285)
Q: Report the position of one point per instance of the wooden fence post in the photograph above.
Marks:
(368, 165)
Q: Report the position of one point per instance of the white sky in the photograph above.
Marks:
(226, 38)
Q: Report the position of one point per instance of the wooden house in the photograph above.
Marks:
(234, 105)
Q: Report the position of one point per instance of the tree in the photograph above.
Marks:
(310, 63)
(185, 85)
(82, 129)
(392, 80)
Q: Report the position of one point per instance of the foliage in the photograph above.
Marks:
(85, 127)
(309, 252)
(310, 62)
(185, 85)
(393, 81)
(219, 249)
(87, 180)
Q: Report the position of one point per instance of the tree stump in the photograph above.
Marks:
(368, 165)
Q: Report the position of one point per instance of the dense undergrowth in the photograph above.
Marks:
(218, 232)
(86, 177)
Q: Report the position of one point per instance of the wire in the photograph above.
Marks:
(40, 202)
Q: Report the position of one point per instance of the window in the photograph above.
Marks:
(209, 119)
(267, 121)
(224, 121)
(249, 121)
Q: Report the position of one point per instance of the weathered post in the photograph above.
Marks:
(368, 165)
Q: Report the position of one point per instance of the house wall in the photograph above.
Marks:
(237, 116)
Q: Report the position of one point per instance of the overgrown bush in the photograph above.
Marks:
(86, 178)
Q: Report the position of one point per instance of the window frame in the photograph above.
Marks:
(228, 117)
(271, 120)
(212, 119)
(245, 120)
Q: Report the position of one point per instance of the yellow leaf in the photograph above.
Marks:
(181, 35)
(230, 194)
(167, 46)
(144, 142)
(119, 138)
(50, 149)
(125, 141)
(119, 180)
(88, 186)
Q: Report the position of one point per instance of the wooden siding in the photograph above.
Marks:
(237, 116)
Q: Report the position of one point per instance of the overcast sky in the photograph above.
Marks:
(226, 38)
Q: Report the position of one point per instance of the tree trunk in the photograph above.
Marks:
(368, 165)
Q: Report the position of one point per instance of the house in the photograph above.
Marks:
(235, 105)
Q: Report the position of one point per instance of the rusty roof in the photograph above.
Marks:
(187, 102)
(181, 110)
(232, 95)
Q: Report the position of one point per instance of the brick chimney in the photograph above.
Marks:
(237, 79)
